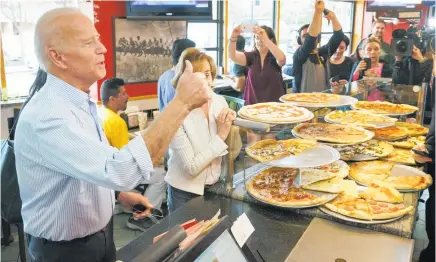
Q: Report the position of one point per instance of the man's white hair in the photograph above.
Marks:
(48, 32)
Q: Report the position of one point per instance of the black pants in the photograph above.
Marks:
(98, 247)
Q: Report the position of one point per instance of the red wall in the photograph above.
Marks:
(104, 11)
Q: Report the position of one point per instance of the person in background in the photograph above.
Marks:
(358, 53)
(165, 90)
(379, 68)
(114, 98)
(198, 146)
(310, 63)
(421, 65)
(239, 72)
(67, 171)
(264, 81)
(340, 65)
(378, 31)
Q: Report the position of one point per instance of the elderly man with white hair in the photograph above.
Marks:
(66, 169)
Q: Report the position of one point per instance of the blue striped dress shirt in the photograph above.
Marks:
(67, 170)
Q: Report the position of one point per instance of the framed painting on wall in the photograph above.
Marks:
(143, 48)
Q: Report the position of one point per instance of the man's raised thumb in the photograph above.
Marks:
(188, 67)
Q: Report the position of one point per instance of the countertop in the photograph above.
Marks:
(276, 231)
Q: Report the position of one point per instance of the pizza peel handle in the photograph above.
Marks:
(251, 124)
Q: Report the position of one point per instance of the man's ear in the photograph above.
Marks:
(56, 58)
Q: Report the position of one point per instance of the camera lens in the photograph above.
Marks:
(401, 46)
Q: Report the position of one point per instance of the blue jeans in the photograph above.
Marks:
(176, 198)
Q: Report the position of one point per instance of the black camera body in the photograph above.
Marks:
(403, 41)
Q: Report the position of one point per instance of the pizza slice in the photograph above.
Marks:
(351, 207)
(297, 146)
(383, 192)
(338, 168)
(347, 152)
(403, 156)
(389, 133)
(349, 188)
(267, 150)
(309, 176)
(332, 185)
(368, 171)
(409, 142)
(410, 182)
(412, 129)
(380, 210)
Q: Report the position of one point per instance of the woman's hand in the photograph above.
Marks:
(235, 33)
(361, 66)
(224, 122)
(370, 73)
(416, 54)
(260, 32)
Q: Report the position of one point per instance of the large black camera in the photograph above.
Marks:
(403, 41)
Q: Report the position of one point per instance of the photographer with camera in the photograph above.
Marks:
(411, 67)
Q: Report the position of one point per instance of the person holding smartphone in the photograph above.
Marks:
(340, 66)
(371, 65)
(264, 81)
(310, 63)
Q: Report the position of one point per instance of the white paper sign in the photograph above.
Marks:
(242, 229)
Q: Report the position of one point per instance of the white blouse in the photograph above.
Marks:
(196, 150)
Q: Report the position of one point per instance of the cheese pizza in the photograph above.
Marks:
(274, 112)
(309, 176)
(275, 186)
(390, 133)
(409, 142)
(359, 118)
(334, 133)
(413, 129)
(402, 156)
(338, 168)
(385, 108)
(368, 171)
(311, 98)
(271, 149)
(380, 191)
(410, 182)
(333, 185)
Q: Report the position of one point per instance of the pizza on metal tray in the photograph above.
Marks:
(384, 107)
(271, 149)
(311, 98)
(334, 133)
(274, 112)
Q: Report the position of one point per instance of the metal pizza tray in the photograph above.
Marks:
(310, 117)
(329, 196)
(356, 220)
(342, 101)
(401, 170)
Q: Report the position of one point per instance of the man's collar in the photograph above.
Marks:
(67, 91)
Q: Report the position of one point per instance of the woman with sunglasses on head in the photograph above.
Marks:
(197, 148)
(264, 82)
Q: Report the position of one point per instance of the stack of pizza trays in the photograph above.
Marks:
(385, 108)
(275, 113)
(318, 100)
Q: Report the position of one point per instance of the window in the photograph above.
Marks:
(242, 11)
(205, 34)
(17, 24)
(296, 13)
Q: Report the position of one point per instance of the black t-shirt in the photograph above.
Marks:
(343, 69)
